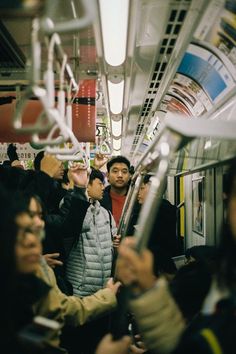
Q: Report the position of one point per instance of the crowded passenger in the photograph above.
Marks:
(44, 297)
(89, 261)
(118, 176)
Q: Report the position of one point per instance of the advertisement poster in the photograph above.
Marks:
(222, 34)
(208, 71)
(84, 112)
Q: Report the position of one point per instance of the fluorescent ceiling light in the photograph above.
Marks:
(116, 144)
(114, 18)
(116, 92)
(116, 128)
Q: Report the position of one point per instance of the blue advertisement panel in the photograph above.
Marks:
(205, 68)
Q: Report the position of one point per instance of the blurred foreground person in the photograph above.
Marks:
(29, 285)
(160, 320)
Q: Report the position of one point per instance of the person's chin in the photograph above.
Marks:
(120, 184)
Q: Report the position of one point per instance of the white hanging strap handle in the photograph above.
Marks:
(64, 131)
(70, 154)
(33, 90)
(49, 140)
(61, 93)
(39, 126)
(105, 148)
(49, 74)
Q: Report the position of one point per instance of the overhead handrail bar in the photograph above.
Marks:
(61, 93)
(60, 55)
(73, 25)
(70, 154)
(33, 90)
(49, 139)
(68, 117)
(49, 74)
(58, 113)
(67, 153)
(46, 97)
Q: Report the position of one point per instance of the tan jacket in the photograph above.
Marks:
(71, 309)
(159, 319)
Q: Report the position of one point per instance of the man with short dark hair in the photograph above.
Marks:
(118, 175)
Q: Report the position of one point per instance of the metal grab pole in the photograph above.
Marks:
(127, 216)
(125, 207)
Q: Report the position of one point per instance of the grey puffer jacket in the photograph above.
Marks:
(90, 260)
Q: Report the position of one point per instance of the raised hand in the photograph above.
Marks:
(99, 161)
(133, 268)
(113, 286)
(79, 175)
(116, 241)
(51, 259)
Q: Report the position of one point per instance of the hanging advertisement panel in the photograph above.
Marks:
(208, 71)
(222, 34)
(84, 112)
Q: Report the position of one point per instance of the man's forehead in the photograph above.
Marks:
(119, 165)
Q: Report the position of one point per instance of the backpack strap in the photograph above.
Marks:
(212, 341)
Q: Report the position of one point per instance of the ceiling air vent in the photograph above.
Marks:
(172, 30)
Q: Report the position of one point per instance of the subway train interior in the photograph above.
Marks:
(151, 80)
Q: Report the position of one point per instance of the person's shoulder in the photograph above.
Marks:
(107, 189)
(167, 205)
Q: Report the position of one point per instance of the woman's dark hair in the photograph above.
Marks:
(10, 206)
(226, 267)
(190, 287)
(27, 196)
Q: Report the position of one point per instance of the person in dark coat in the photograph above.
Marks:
(163, 241)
